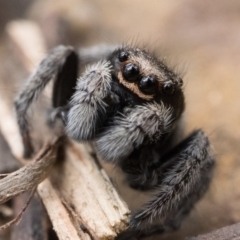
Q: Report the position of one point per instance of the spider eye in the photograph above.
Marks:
(168, 88)
(148, 84)
(123, 56)
(131, 72)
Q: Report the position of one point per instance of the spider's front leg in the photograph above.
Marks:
(184, 178)
(60, 64)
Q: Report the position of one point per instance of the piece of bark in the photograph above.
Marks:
(105, 214)
(33, 225)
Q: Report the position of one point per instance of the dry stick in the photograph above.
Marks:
(83, 185)
(29, 176)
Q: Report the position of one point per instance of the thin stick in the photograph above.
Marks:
(29, 176)
(19, 216)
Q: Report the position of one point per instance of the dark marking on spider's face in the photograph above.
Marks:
(147, 78)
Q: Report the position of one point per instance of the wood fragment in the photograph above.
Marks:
(91, 193)
(59, 216)
(80, 225)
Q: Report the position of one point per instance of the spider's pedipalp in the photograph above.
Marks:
(90, 101)
(148, 122)
(52, 67)
(185, 180)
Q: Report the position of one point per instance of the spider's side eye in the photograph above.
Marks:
(131, 72)
(168, 88)
(148, 84)
(123, 56)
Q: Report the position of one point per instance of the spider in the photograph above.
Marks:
(129, 103)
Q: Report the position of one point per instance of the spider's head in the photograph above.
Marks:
(147, 78)
(151, 102)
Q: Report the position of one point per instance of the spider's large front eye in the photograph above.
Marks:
(168, 88)
(131, 72)
(148, 84)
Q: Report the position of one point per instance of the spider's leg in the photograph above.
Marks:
(142, 166)
(66, 81)
(184, 178)
(92, 96)
(128, 132)
(54, 66)
(91, 102)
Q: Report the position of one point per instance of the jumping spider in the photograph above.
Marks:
(129, 104)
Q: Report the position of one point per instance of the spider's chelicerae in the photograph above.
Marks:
(129, 104)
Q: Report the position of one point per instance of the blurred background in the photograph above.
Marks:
(200, 38)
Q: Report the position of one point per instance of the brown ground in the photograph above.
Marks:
(203, 39)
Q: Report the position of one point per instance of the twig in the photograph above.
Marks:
(29, 176)
(19, 216)
(34, 223)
